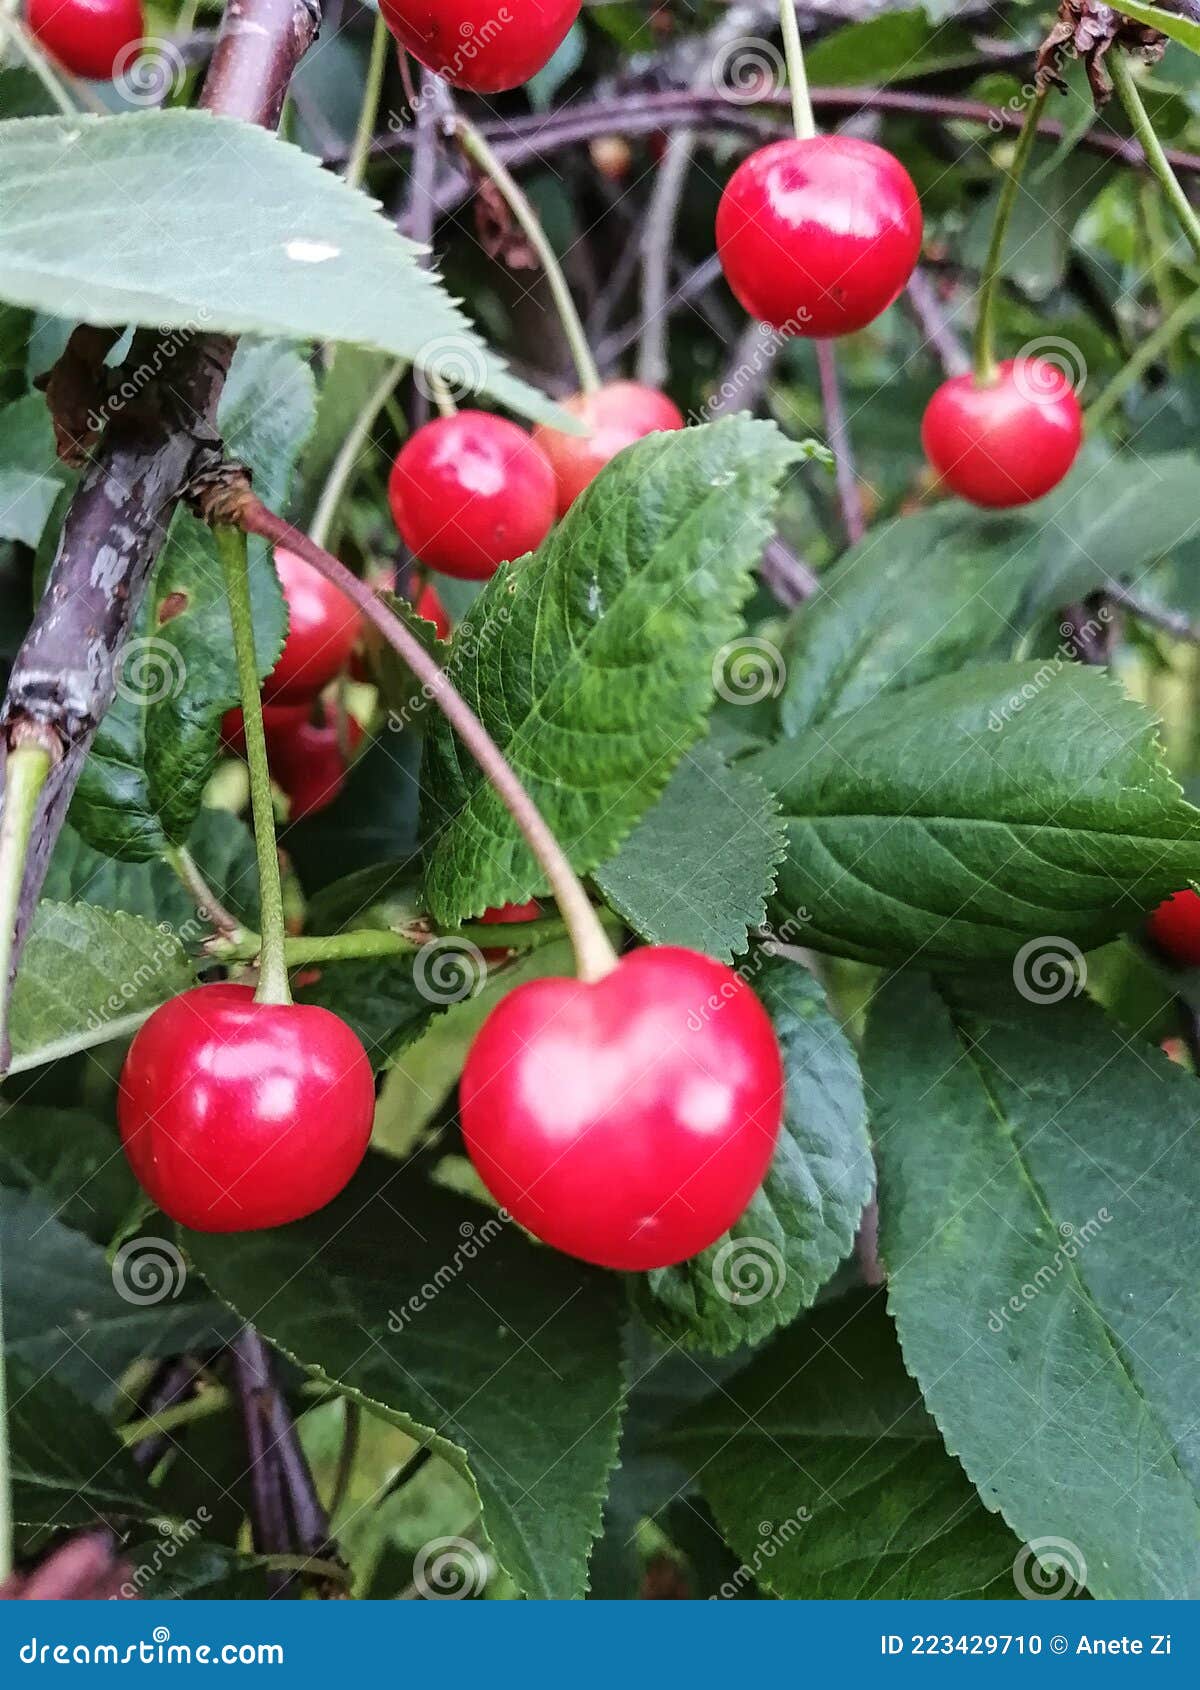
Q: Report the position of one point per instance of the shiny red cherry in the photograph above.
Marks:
(237, 1115)
(477, 45)
(86, 37)
(501, 917)
(817, 237)
(629, 1121)
(619, 414)
(470, 492)
(1006, 443)
(308, 760)
(1175, 928)
(323, 629)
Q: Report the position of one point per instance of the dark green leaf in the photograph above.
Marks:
(977, 812)
(828, 1477)
(1038, 1190)
(72, 1313)
(73, 1161)
(525, 1394)
(292, 252)
(593, 662)
(802, 1223)
(698, 867)
(68, 1467)
(30, 474)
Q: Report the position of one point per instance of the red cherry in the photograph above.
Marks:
(473, 44)
(1175, 928)
(433, 610)
(501, 917)
(470, 492)
(323, 629)
(87, 37)
(1009, 442)
(817, 237)
(629, 1121)
(308, 762)
(237, 1115)
(619, 414)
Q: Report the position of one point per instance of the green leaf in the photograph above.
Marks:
(525, 1396)
(802, 1222)
(828, 1477)
(981, 810)
(142, 785)
(1038, 1191)
(697, 868)
(73, 1161)
(918, 597)
(236, 233)
(73, 1314)
(31, 477)
(897, 45)
(89, 975)
(592, 662)
(1184, 30)
(221, 844)
(382, 1001)
(68, 1466)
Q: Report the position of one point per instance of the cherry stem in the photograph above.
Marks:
(594, 955)
(360, 152)
(359, 944)
(208, 906)
(986, 371)
(478, 150)
(1150, 350)
(1156, 158)
(350, 453)
(273, 974)
(802, 112)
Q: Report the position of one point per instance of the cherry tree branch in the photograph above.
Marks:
(64, 676)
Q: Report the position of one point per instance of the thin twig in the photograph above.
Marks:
(935, 324)
(838, 436)
(658, 244)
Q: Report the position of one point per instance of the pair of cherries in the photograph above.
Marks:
(627, 1121)
(471, 491)
(306, 749)
(817, 237)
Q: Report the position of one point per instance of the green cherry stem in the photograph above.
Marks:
(364, 943)
(1147, 353)
(350, 454)
(480, 153)
(1156, 158)
(360, 152)
(594, 954)
(989, 278)
(802, 112)
(273, 974)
